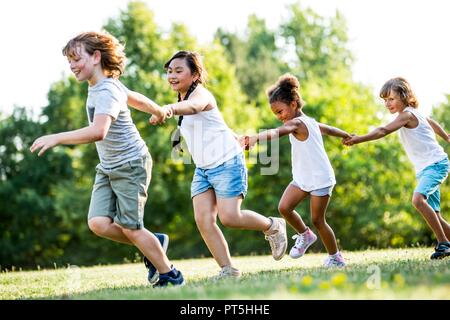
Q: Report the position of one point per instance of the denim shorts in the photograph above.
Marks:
(327, 191)
(429, 181)
(228, 180)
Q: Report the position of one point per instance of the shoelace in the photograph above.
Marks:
(330, 261)
(271, 239)
(268, 238)
(223, 273)
(299, 240)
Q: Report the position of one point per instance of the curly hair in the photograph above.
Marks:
(400, 86)
(286, 90)
(112, 52)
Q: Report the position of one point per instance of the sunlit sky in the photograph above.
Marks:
(388, 38)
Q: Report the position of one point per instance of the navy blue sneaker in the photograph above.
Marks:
(153, 274)
(442, 250)
(171, 278)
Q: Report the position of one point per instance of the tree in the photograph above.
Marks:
(256, 57)
(31, 232)
(374, 176)
(169, 205)
(44, 201)
(320, 44)
(441, 113)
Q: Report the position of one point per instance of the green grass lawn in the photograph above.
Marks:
(371, 274)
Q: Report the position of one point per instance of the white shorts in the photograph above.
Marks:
(327, 191)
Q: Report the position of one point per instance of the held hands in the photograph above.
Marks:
(350, 140)
(166, 112)
(44, 143)
(242, 141)
(247, 142)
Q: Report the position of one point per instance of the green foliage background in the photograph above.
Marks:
(44, 201)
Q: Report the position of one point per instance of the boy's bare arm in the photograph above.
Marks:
(144, 104)
(95, 132)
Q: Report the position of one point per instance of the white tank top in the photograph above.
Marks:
(209, 139)
(420, 143)
(311, 168)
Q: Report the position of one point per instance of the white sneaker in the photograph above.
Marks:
(276, 235)
(229, 272)
(334, 261)
(302, 243)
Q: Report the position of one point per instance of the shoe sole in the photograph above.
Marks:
(335, 266)
(164, 245)
(441, 255)
(171, 285)
(225, 277)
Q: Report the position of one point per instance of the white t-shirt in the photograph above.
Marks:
(209, 140)
(311, 168)
(420, 143)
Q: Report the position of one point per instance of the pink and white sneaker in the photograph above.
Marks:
(302, 243)
(336, 260)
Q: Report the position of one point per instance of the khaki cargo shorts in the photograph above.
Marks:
(121, 193)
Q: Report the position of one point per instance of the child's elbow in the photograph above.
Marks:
(382, 132)
(196, 109)
(99, 135)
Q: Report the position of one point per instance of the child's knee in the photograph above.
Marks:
(132, 234)
(230, 220)
(418, 199)
(284, 209)
(318, 221)
(204, 220)
(98, 225)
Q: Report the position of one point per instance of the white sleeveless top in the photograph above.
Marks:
(209, 139)
(311, 168)
(420, 143)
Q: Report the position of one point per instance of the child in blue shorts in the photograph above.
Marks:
(417, 135)
(219, 184)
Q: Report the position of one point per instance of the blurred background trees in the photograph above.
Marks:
(44, 201)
